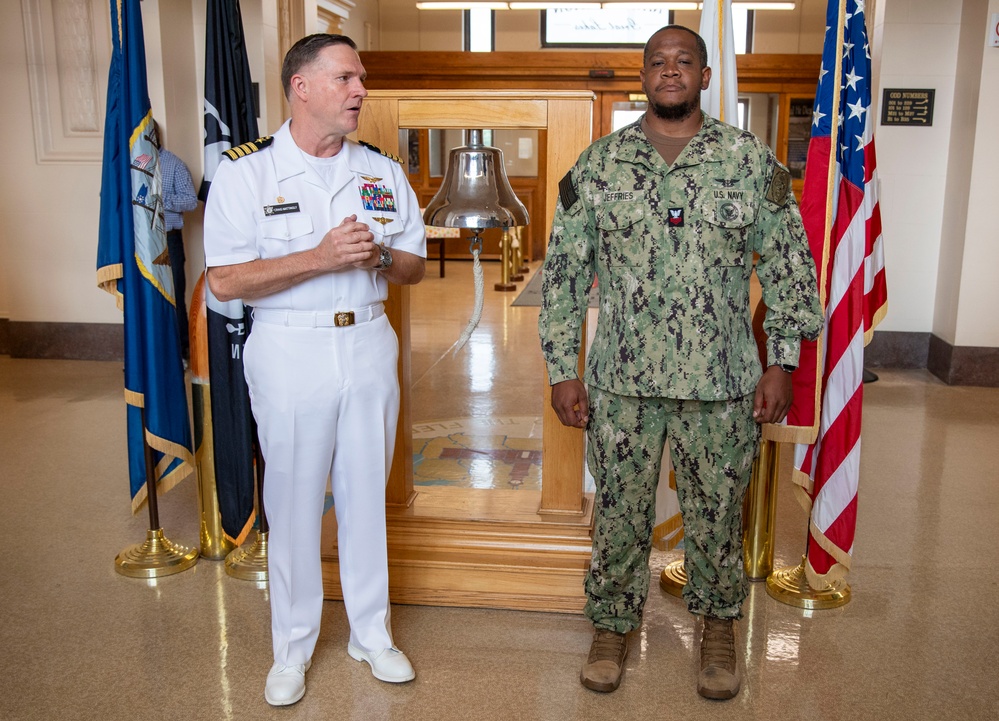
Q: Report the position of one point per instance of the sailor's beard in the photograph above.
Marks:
(677, 111)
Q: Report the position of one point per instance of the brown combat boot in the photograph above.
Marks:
(605, 664)
(718, 679)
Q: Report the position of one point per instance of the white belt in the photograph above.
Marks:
(318, 319)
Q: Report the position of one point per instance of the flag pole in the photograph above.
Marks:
(156, 556)
(215, 545)
(790, 585)
(250, 564)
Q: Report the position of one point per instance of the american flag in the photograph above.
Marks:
(843, 222)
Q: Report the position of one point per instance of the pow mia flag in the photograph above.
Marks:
(230, 121)
(230, 115)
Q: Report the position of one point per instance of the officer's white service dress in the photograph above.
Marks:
(323, 383)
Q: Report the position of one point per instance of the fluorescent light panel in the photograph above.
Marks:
(552, 5)
(462, 6)
(477, 5)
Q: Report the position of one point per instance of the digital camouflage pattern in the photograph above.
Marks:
(713, 445)
(674, 356)
(672, 250)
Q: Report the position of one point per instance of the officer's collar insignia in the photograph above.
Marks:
(676, 217)
(376, 149)
(241, 151)
(370, 179)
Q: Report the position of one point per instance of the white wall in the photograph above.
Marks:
(939, 184)
(916, 42)
(963, 134)
(48, 213)
(978, 309)
(938, 189)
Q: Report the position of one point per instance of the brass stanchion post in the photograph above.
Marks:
(505, 284)
(759, 513)
(519, 265)
(516, 272)
(214, 543)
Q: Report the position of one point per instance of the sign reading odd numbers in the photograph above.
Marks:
(907, 106)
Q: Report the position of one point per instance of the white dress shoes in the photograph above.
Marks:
(286, 684)
(389, 664)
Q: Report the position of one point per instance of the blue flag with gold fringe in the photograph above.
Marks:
(134, 266)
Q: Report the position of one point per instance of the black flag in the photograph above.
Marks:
(230, 115)
(230, 120)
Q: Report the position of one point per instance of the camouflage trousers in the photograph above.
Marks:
(712, 445)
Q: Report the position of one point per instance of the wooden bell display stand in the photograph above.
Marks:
(493, 548)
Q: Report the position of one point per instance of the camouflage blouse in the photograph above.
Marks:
(672, 248)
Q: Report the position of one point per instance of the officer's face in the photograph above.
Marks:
(335, 86)
(672, 76)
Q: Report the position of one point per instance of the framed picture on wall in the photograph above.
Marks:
(596, 27)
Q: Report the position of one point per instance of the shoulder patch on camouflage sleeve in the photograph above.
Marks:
(567, 191)
(780, 184)
(378, 150)
(241, 151)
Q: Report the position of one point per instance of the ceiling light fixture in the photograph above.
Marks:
(624, 4)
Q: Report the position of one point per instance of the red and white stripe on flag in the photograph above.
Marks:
(843, 222)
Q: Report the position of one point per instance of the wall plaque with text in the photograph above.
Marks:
(907, 106)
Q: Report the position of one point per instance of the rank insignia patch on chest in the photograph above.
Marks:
(676, 217)
(377, 197)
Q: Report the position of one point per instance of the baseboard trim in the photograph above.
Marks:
(897, 349)
(963, 365)
(955, 365)
(71, 341)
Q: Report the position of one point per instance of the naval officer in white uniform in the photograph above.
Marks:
(309, 228)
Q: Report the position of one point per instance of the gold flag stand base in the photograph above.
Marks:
(249, 564)
(155, 557)
(790, 586)
(673, 578)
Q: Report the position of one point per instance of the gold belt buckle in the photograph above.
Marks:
(343, 318)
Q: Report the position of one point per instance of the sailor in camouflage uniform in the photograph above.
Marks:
(667, 213)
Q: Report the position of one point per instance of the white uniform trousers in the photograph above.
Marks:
(326, 402)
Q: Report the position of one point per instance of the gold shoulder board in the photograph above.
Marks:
(378, 150)
(245, 149)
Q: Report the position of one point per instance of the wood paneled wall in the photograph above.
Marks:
(611, 75)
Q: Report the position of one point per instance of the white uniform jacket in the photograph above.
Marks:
(272, 202)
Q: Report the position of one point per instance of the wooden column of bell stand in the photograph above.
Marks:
(465, 546)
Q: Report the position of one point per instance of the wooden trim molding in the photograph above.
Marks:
(557, 70)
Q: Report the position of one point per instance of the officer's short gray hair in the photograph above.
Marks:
(305, 51)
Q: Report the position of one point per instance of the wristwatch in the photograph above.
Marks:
(384, 258)
(787, 368)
